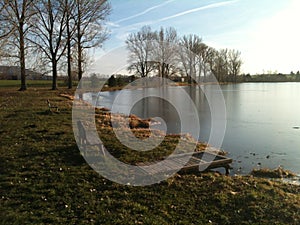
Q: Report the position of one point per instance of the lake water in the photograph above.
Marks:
(262, 119)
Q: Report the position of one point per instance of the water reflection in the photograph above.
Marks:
(260, 119)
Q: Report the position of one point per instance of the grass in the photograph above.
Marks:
(127, 155)
(32, 83)
(276, 173)
(45, 180)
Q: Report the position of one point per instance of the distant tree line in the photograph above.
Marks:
(51, 35)
(270, 77)
(119, 80)
(165, 54)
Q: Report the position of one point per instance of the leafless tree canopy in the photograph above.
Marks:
(167, 54)
(15, 19)
(53, 29)
(141, 46)
(189, 55)
(61, 32)
(152, 51)
(89, 16)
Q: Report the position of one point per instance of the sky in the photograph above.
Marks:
(265, 31)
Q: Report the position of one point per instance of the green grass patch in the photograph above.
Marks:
(32, 83)
(45, 180)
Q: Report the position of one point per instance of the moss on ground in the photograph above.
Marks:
(45, 180)
(276, 173)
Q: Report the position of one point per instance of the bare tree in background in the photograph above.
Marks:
(165, 51)
(89, 16)
(140, 45)
(49, 27)
(218, 63)
(87, 61)
(203, 58)
(15, 19)
(234, 63)
(189, 55)
(210, 59)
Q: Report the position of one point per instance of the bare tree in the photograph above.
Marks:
(189, 55)
(203, 53)
(165, 51)
(3, 45)
(218, 63)
(211, 55)
(49, 27)
(89, 17)
(234, 63)
(222, 65)
(4, 28)
(87, 61)
(70, 7)
(15, 18)
(140, 45)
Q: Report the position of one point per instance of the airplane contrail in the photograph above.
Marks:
(144, 12)
(122, 31)
(214, 5)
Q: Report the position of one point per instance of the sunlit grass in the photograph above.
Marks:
(33, 83)
(45, 180)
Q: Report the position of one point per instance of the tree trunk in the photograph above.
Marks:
(163, 70)
(70, 85)
(54, 74)
(204, 74)
(22, 60)
(69, 55)
(79, 47)
(79, 62)
(235, 76)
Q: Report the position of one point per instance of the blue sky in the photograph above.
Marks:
(265, 31)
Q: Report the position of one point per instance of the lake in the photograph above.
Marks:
(262, 119)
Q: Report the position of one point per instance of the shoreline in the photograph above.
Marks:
(45, 180)
(278, 173)
(263, 172)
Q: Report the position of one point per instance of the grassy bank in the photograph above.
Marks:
(33, 83)
(45, 180)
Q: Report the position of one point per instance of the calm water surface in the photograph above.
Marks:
(262, 120)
